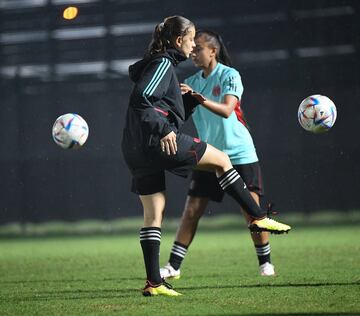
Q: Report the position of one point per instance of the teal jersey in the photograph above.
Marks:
(229, 135)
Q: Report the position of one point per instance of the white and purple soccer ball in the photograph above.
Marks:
(70, 131)
(317, 114)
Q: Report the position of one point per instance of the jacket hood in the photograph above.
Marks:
(136, 70)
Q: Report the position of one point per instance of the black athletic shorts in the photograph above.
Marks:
(205, 184)
(148, 166)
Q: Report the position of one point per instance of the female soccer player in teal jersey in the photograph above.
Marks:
(219, 122)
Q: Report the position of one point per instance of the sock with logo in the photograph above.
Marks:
(177, 255)
(232, 184)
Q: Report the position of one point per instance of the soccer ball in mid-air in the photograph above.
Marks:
(70, 131)
(317, 114)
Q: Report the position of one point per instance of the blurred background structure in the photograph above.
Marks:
(284, 50)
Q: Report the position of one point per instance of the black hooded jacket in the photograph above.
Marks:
(156, 106)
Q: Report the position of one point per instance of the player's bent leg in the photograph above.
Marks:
(194, 209)
(231, 182)
(215, 160)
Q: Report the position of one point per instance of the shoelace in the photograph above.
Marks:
(169, 286)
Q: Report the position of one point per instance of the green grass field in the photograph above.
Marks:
(318, 271)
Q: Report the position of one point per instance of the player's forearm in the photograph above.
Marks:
(221, 109)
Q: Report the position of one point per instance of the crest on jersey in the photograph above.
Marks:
(216, 91)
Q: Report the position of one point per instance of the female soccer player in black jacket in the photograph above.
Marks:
(152, 142)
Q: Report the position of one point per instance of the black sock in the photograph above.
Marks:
(177, 255)
(263, 253)
(150, 238)
(232, 184)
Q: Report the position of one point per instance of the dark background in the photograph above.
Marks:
(284, 50)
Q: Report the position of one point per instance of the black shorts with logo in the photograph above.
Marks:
(205, 184)
(148, 166)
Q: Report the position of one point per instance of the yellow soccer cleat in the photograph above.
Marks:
(159, 289)
(268, 225)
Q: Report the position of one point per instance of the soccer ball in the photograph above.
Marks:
(70, 131)
(317, 114)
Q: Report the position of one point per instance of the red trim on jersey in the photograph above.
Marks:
(161, 111)
(239, 113)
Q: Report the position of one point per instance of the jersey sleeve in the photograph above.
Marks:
(231, 83)
(151, 88)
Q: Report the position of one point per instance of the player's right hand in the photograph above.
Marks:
(168, 144)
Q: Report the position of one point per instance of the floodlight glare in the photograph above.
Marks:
(70, 13)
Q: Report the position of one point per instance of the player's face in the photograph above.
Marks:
(186, 43)
(203, 54)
